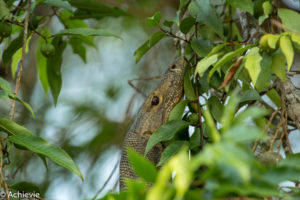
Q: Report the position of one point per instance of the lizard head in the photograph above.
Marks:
(162, 100)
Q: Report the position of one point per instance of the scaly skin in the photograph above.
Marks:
(153, 113)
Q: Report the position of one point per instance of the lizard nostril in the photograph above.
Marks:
(155, 100)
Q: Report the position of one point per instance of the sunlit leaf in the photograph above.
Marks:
(205, 63)
(290, 19)
(287, 49)
(278, 65)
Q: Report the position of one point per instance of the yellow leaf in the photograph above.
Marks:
(287, 49)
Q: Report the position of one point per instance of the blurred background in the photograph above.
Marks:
(96, 105)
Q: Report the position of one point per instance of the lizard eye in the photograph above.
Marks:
(173, 66)
(155, 101)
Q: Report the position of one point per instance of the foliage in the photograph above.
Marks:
(217, 159)
(210, 143)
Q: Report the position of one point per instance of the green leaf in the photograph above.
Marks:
(53, 67)
(14, 97)
(136, 189)
(183, 4)
(188, 86)
(290, 19)
(171, 150)
(229, 111)
(253, 66)
(17, 57)
(205, 63)
(214, 133)
(86, 32)
(154, 20)
(12, 48)
(252, 112)
(58, 3)
(274, 96)
(201, 46)
(250, 95)
(278, 65)
(205, 13)
(78, 48)
(4, 11)
(13, 128)
(42, 66)
(291, 161)
(178, 110)
(243, 134)
(5, 86)
(261, 19)
(142, 166)
(165, 133)
(26, 187)
(287, 49)
(217, 48)
(153, 40)
(272, 41)
(195, 139)
(41, 146)
(267, 7)
(245, 5)
(216, 107)
(226, 58)
(186, 24)
(295, 38)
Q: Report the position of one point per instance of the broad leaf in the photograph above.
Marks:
(171, 150)
(274, 96)
(214, 133)
(78, 47)
(153, 40)
(290, 19)
(272, 41)
(186, 24)
(287, 49)
(165, 133)
(206, 13)
(178, 110)
(205, 63)
(278, 65)
(229, 111)
(14, 97)
(53, 67)
(12, 48)
(253, 66)
(58, 3)
(243, 134)
(154, 20)
(4, 11)
(201, 46)
(41, 146)
(42, 66)
(142, 166)
(13, 128)
(226, 58)
(245, 5)
(26, 187)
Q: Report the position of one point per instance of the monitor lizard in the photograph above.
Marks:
(153, 113)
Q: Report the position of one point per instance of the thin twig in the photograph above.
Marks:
(275, 136)
(265, 128)
(284, 118)
(19, 76)
(107, 180)
(141, 79)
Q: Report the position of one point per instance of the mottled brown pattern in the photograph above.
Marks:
(153, 113)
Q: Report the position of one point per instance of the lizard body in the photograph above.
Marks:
(153, 113)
